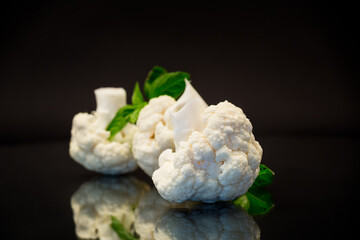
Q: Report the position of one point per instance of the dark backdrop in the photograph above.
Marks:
(293, 68)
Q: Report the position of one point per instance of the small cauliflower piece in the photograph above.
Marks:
(89, 144)
(216, 157)
(215, 221)
(153, 137)
(155, 131)
(97, 200)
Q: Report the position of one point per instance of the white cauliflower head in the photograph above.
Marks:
(217, 159)
(97, 200)
(155, 131)
(215, 221)
(89, 144)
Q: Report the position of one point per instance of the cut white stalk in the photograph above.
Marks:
(108, 102)
(184, 116)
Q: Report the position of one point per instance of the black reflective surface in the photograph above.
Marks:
(314, 191)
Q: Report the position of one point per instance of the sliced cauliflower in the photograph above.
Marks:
(215, 221)
(216, 157)
(89, 144)
(151, 207)
(96, 201)
(155, 132)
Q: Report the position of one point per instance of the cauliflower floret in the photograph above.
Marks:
(216, 221)
(97, 200)
(153, 137)
(151, 207)
(219, 160)
(89, 144)
(156, 131)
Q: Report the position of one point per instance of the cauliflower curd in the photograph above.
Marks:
(89, 144)
(216, 157)
(153, 136)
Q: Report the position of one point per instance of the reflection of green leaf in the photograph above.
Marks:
(264, 178)
(137, 96)
(152, 75)
(171, 84)
(120, 230)
(260, 201)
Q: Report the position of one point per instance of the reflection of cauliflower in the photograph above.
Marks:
(214, 221)
(216, 157)
(153, 136)
(96, 201)
(150, 208)
(89, 143)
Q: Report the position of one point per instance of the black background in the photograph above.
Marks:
(292, 67)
